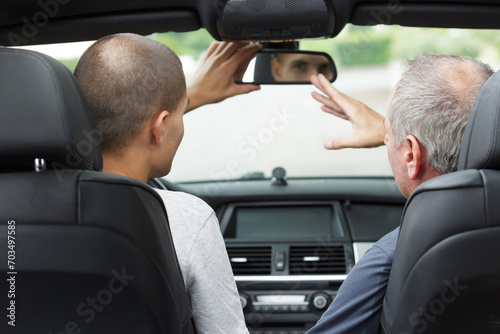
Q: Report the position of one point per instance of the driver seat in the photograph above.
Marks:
(445, 276)
(89, 252)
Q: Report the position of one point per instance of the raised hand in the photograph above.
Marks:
(222, 64)
(368, 125)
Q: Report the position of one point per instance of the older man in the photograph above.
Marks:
(423, 127)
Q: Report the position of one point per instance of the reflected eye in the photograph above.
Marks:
(300, 66)
(325, 70)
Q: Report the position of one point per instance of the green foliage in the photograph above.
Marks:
(409, 42)
(70, 63)
(357, 45)
(382, 44)
(363, 49)
(191, 43)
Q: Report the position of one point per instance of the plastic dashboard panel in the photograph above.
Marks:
(281, 298)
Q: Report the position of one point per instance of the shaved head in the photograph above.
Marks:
(126, 79)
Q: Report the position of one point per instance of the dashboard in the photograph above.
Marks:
(292, 246)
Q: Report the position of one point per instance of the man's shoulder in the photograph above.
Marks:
(180, 196)
(387, 243)
(184, 203)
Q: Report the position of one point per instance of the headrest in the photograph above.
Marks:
(481, 142)
(44, 114)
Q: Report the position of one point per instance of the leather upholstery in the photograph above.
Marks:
(93, 251)
(481, 143)
(44, 114)
(445, 276)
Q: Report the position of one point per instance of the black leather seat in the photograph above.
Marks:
(92, 251)
(446, 271)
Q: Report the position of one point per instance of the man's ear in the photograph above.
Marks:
(414, 155)
(157, 126)
(276, 69)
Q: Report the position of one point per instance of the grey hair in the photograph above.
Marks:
(433, 101)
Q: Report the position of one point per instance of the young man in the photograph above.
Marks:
(424, 124)
(299, 67)
(137, 94)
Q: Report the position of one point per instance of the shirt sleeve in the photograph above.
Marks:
(358, 304)
(210, 284)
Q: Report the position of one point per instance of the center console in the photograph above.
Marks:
(289, 259)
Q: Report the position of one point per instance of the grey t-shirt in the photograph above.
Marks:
(204, 264)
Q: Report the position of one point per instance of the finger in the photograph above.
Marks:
(212, 48)
(244, 89)
(322, 99)
(331, 91)
(315, 81)
(231, 48)
(339, 143)
(242, 68)
(334, 112)
(245, 54)
(221, 47)
(243, 65)
(326, 101)
(326, 86)
(317, 84)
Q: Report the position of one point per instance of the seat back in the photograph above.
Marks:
(90, 252)
(445, 276)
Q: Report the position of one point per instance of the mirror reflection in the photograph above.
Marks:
(282, 66)
(299, 67)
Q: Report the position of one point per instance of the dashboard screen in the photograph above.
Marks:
(285, 222)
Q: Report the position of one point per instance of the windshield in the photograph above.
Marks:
(283, 126)
(278, 126)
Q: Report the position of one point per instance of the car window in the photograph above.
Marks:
(283, 126)
(248, 136)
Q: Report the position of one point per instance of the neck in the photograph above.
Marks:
(126, 163)
(426, 174)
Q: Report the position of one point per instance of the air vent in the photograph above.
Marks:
(250, 260)
(317, 260)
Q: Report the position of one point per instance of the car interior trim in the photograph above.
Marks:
(336, 278)
(360, 249)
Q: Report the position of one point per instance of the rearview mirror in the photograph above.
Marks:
(282, 66)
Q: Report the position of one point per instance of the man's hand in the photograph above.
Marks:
(223, 63)
(368, 125)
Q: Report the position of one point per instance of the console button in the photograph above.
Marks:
(265, 308)
(320, 301)
(279, 260)
(243, 301)
(283, 308)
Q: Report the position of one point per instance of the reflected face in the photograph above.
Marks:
(299, 67)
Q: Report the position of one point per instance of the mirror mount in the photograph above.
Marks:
(293, 45)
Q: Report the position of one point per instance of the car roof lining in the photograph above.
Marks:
(93, 27)
(91, 19)
(436, 14)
